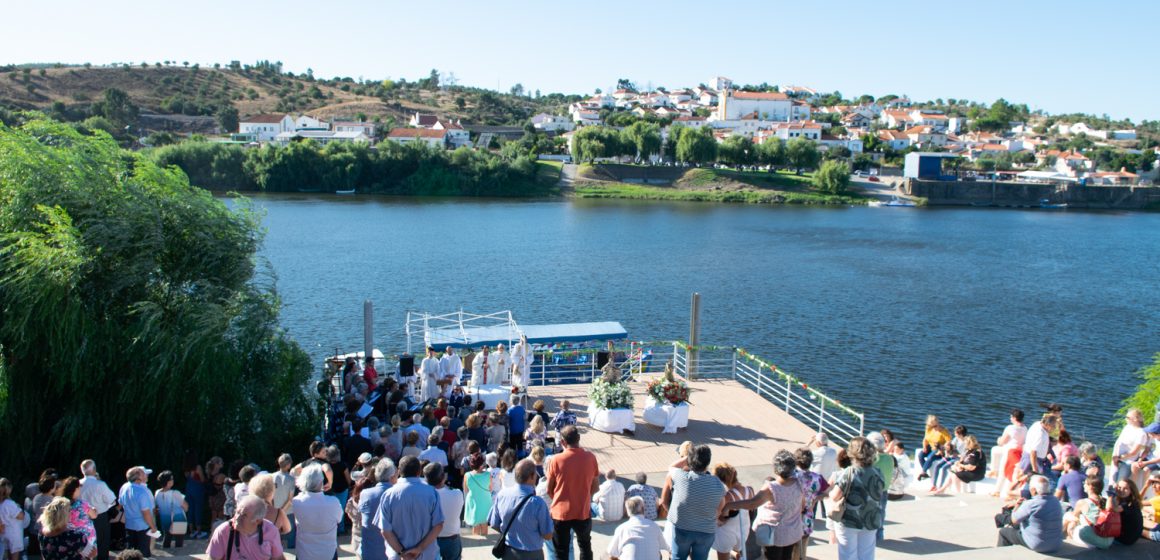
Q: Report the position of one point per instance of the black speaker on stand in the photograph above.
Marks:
(602, 359)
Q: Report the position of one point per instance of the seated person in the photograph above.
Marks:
(933, 443)
(902, 472)
(1036, 523)
(1070, 486)
(646, 493)
(1079, 523)
(969, 468)
(940, 470)
(608, 502)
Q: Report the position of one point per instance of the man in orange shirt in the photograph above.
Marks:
(572, 480)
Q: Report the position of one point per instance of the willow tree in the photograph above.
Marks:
(135, 322)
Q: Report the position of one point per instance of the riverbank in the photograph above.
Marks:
(703, 185)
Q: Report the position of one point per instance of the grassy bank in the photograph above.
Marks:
(640, 192)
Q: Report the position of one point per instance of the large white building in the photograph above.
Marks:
(768, 106)
(266, 127)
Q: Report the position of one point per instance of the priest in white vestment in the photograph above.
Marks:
(521, 362)
(429, 376)
(503, 365)
(483, 370)
(451, 370)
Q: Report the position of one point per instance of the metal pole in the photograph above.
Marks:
(369, 330)
(861, 424)
(733, 368)
(788, 388)
(822, 416)
(592, 377)
(694, 335)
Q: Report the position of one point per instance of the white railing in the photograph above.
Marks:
(807, 404)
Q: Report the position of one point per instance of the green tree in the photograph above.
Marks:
(227, 118)
(645, 137)
(697, 146)
(833, 177)
(1147, 394)
(117, 107)
(737, 150)
(802, 154)
(143, 294)
(771, 152)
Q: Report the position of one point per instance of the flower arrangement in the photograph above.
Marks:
(668, 388)
(610, 395)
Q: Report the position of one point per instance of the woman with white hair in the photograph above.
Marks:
(57, 541)
(317, 516)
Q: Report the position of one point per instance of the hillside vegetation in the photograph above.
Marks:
(69, 92)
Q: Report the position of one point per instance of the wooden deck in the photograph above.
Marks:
(742, 428)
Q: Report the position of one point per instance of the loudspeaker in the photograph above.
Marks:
(601, 359)
(406, 365)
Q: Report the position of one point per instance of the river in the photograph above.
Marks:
(896, 312)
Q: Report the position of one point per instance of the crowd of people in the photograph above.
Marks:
(408, 477)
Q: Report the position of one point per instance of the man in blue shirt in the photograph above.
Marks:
(1038, 522)
(517, 423)
(409, 515)
(373, 547)
(527, 532)
(137, 502)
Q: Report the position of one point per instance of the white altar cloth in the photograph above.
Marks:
(668, 416)
(490, 394)
(613, 421)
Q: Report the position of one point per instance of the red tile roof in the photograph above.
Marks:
(416, 133)
(753, 95)
(268, 118)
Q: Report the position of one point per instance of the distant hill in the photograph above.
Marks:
(174, 97)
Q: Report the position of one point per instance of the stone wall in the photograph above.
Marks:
(978, 193)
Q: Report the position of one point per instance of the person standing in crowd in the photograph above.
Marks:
(317, 515)
(196, 486)
(608, 502)
(171, 506)
(781, 504)
(517, 423)
(370, 374)
(861, 486)
(81, 515)
(451, 370)
(1130, 445)
(477, 483)
(41, 493)
(503, 366)
(813, 488)
(340, 484)
(283, 494)
(372, 546)
(884, 462)
(433, 454)
(451, 502)
(57, 540)
(264, 487)
(409, 516)
(646, 493)
(97, 494)
(1035, 447)
(1036, 523)
(733, 525)
(572, 479)
(639, 538)
(522, 515)
(564, 417)
(694, 506)
(12, 518)
(248, 535)
(825, 457)
(137, 503)
(365, 479)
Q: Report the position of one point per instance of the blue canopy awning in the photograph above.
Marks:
(475, 337)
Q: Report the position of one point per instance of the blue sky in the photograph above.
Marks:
(1059, 56)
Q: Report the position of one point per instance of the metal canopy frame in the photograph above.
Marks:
(420, 323)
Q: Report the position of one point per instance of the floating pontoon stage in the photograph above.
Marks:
(469, 330)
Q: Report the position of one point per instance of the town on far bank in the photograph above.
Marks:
(868, 132)
(719, 140)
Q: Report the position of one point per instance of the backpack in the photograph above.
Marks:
(1107, 524)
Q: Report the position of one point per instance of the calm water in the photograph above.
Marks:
(896, 312)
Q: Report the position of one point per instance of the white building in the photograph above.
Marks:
(266, 127)
(423, 120)
(321, 136)
(789, 131)
(433, 138)
(720, 83)
(456, 136)
(307, 122)
(552, 123)
(367, 128)
(770, 106)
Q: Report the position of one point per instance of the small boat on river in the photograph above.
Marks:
(893, 202)
(349, 191)
(1048, 205)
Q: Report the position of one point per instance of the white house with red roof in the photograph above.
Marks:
(926, 136)
(552, 123)
(267, 126)
(431, 137)
(937, 120)
(788, 131)
(307, 122)
(769, 106)
(896, 140)
(367, 128)
(895, 118)
(423, 120)
(456, 135)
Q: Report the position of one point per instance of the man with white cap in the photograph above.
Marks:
(429, 376)
(97, 494)
(503, 366)
(137, 503)
(825, 457)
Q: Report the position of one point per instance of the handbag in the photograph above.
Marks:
(176, 526)
(500, 548)
(835, 509)
(1108, 524)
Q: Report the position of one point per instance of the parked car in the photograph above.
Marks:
(874, 179)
